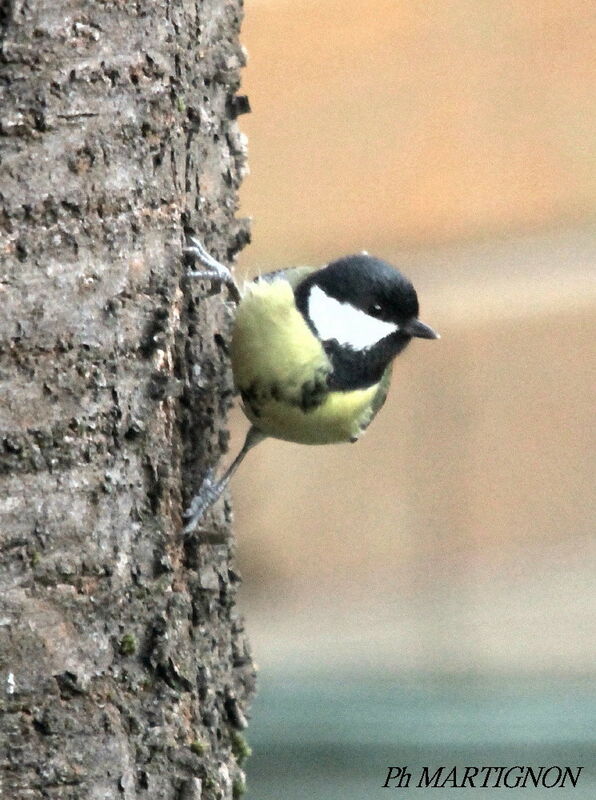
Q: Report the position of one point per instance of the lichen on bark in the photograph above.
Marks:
(124, 668)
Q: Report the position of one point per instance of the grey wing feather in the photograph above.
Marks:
(293, 276)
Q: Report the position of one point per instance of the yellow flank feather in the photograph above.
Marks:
(271, 343)
(274, 354)
(341, 417)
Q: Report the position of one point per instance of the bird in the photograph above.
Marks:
(312, 351)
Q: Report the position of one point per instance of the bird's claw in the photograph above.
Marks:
(214, 270)
(208, 494)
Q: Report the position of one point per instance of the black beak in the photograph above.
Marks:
(414, 327)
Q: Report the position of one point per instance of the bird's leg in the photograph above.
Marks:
(212, 490)
(214, 271)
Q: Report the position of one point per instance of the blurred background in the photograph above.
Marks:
(428, 596)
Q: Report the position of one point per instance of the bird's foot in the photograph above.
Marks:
(210, 491)
(214, 270)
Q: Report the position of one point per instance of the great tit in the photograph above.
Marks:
(312, 351)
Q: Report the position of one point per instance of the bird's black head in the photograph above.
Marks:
(371, 285)
(358, 301)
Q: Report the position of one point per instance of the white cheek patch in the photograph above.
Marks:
(342, 321)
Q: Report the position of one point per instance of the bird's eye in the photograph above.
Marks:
(375, 310)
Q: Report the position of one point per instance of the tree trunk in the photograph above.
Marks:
(124, 671)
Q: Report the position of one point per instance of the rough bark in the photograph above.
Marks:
(124, 671)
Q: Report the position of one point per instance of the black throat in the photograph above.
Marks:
(359, 369)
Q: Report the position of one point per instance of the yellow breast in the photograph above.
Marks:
(274, 354)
